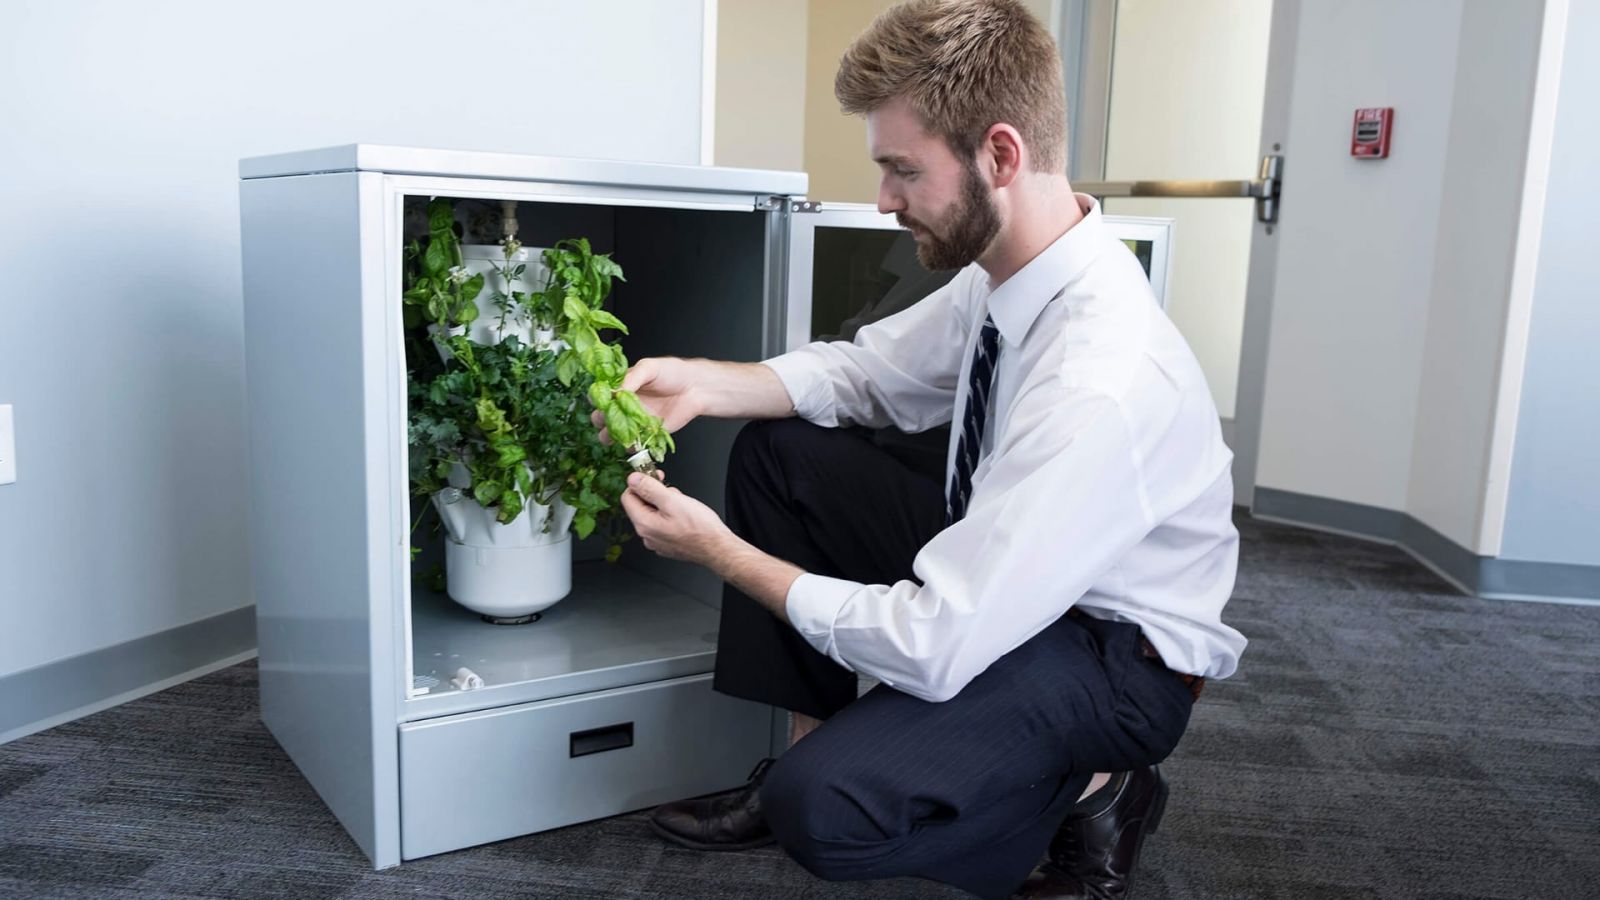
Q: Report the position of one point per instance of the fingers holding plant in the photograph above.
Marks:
(661, 387)
(672, 523)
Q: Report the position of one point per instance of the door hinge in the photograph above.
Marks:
(799, 205)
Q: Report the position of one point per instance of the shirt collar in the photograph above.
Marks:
(1016, 303)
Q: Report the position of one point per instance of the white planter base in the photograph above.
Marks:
(508, 584)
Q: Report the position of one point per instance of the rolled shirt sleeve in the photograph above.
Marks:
(1059, 502)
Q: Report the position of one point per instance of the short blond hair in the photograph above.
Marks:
(963, 65)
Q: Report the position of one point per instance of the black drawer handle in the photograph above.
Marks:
(599, 740)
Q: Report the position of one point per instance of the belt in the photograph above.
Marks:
(1195, 683)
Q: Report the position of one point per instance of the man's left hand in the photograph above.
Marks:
(672, 523)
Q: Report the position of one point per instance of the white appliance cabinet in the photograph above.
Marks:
(605, 704)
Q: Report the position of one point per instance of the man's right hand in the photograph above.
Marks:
(662, 384)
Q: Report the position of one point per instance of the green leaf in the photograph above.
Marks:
(583, 524)
(567, 367)
(610, 369)
(490, 418)
(587, 343)
(621, 426)
(600, 395)
(629, 401)
(441, 216)
(613, 553)
(601, 319)
(509, 453)
(437, 258)
(486, 492)
(510, 507)
(590, 501)
(574, 308)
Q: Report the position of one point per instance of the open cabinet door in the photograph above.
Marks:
(850, 265)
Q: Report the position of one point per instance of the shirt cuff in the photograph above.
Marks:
(813, 605)
(801, 376)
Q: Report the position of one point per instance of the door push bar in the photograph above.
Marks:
(1264, 189)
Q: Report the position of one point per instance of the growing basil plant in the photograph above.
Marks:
(515, 416)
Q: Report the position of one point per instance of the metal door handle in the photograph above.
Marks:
(1264, 189)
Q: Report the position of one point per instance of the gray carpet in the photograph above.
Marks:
(1384, 738)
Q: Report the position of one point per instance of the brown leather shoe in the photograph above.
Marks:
(1094, 853)
(730, 820)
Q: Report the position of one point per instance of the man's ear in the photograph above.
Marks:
(1002, 152)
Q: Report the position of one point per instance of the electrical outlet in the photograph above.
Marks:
(8, 447)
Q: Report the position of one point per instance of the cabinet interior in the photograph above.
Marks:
(696, 286)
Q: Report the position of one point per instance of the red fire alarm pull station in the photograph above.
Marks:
(1370, 137)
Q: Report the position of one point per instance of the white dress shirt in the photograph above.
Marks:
(1103, 483)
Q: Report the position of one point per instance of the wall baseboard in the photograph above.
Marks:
(1482, 576)
(55, 693)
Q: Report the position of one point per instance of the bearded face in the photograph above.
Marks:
(965, 229)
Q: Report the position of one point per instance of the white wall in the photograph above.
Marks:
(1394, 277)
(1479, 216)
(122, 344)
(1187, 85)
(1553, 512)
(761, 84)
(1356, 252)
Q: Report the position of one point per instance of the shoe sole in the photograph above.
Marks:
(682, 841)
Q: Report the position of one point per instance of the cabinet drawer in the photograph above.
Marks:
(494, 774)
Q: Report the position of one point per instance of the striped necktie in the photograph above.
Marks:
(979, 382)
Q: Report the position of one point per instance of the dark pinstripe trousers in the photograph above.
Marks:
(967, 792)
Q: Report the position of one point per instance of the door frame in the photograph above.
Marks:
(1261, 284)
